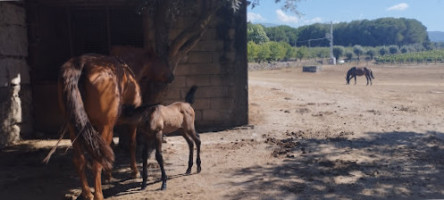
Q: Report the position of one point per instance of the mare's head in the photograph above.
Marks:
(157, 69)
(146, 64)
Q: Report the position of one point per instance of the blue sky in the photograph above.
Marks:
(429, 12)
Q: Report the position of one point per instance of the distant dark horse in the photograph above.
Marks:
(359, 71)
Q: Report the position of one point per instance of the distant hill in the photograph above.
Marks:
(269, 24)
(436, 36)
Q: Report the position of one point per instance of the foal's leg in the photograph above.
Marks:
(191, 151)
(145, 165)
(196, 139)
(159, 158)
(133, 144)
(355, 79)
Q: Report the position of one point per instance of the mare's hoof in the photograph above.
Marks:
(134, 175)
(199, 169)
(188, 172)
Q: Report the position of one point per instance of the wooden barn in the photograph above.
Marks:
(38, 36)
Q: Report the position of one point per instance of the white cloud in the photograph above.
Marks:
(254, 17)
(401, 6)
(313, 21)
(286, 18)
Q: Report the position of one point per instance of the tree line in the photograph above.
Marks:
(361, 39)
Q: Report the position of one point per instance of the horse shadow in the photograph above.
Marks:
(123, 184)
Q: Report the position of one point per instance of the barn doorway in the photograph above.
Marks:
(58, 32)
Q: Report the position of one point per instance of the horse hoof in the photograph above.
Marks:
(143, 187)
(86, 197)
(134, 175)
(199, 169)
(188, 172)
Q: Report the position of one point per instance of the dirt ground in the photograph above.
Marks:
(311, 136)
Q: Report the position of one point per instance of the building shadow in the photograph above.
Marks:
(388, 165)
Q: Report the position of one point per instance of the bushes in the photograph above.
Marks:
(281, 51)
(270, 51)
(433, 56)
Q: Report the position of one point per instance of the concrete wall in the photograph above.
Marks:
(218, 66)
(15, 90)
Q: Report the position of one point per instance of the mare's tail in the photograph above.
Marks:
(190, 95)
(86, 135)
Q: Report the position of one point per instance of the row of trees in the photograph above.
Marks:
(378, 32)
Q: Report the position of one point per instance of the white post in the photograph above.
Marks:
(332, 57)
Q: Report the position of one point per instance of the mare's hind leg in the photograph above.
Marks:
(97, 171)
(80, 163)
(107, 135)
(191, 151)
(159, 158)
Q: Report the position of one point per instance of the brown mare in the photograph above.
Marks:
(149, 71)
(155, 121)
(359, 71)
(92, 91)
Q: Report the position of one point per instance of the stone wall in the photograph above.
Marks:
(218, 66)
(15, 90)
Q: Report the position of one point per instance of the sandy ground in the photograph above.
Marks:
(311, 136)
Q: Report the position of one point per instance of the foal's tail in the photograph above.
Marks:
(70, 95)
(190, 95)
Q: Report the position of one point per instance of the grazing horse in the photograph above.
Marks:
(150, 72)
(92, 89)
(359, 71)
(155, 121)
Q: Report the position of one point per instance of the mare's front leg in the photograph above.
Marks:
(159, 158)
(133, 145)
(146, 152)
